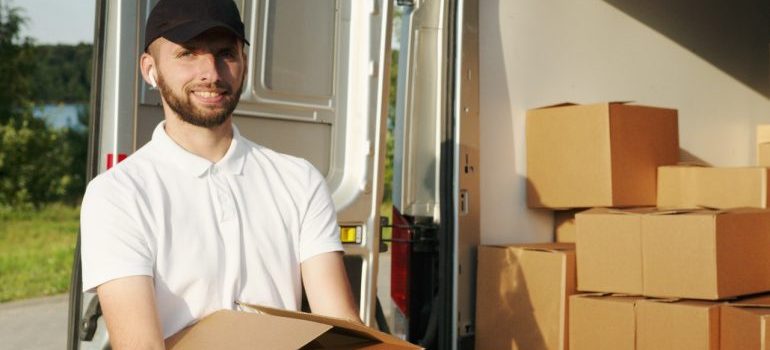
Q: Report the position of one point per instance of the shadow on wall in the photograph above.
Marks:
(731, 35)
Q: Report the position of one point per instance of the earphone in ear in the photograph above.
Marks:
(153, 83)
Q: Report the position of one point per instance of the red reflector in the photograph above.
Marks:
(111, 156)
(401, 247)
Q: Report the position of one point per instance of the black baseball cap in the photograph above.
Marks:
(182, 20)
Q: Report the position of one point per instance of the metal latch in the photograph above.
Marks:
(88, 322)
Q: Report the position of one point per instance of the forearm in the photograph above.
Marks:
(128, 305)
(327, 287)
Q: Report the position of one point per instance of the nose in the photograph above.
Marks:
(208, 68)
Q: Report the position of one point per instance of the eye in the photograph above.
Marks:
(184, 53)
(227, 53)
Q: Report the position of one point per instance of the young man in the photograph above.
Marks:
(200, 219)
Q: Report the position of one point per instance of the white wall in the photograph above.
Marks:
(536, 52)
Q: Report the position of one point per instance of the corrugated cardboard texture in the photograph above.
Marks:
(763, 154)
(680, 325)
(522, 295)
(602, 322)
(568, 156)
(763, 133)
(720, 188)
(706, 254)
(609, 251)
(642, 138)
(744, 328)
(225, 330)
(269, 328)
(564, 225)
(597, 155)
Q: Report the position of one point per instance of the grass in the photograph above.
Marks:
(36, 251)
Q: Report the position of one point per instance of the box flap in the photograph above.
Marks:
(760, 301)
(343, 326)
(690, 164)
(227, 329)
(553, 247)
(562, 104)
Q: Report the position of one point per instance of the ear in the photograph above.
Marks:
(148, 69)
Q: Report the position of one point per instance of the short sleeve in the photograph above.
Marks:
(113, 243)
(319, 231)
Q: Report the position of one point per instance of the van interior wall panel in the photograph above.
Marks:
(707, 59)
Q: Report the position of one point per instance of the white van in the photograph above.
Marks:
(468, 71)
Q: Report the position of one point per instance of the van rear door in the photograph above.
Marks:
(317, 89)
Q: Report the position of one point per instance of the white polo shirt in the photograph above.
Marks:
(209, 234)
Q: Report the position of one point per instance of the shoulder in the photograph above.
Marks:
(124, 178)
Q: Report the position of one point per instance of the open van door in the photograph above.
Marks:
(436, 199)
(317, 88)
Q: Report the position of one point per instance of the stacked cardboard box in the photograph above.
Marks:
(705, 187)
(763, 145)
(599, 155)
(610, 322)
(673, 240)
(521, 296)
(564, 225)
(700, 254)
(745, 324)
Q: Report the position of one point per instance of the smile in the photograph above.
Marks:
(207, 94)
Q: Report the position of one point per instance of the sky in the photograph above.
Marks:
(57, 21)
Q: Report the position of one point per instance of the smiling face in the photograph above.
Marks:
(201, 80)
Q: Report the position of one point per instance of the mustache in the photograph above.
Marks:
(218, 86)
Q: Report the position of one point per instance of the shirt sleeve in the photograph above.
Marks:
(113, 243)
(319, 230)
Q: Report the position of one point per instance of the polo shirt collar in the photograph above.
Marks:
(231, 163)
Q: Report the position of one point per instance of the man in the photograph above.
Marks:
(201, 219)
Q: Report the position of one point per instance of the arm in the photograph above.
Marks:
(327, 286)
(128, 305)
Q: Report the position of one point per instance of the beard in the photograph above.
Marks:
(199, 116)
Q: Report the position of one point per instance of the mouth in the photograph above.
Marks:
(209, 97)
(207, 94)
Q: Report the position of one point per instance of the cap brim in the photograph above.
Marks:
(187, 31)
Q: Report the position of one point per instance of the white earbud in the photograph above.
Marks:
(153, 78)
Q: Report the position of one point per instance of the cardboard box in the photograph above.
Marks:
(609, 250)
(720, 188)
(602, 322)
(599, 155)
(269, 328)
(698, 254)
(564, 225)
(677, 325)
(706, 254)
(763, 145)
(763, 154)
(522, 295)
(745, 324)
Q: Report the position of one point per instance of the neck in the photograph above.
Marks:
(209, 143)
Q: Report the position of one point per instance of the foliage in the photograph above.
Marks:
(36, 250)
(62, 74)
(38, 164)
(15, 64)
(387, 195)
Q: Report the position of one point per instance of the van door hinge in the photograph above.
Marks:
(88, 322)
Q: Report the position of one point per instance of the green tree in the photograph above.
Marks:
(16, 64)
(62, 74)
(36, 161)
